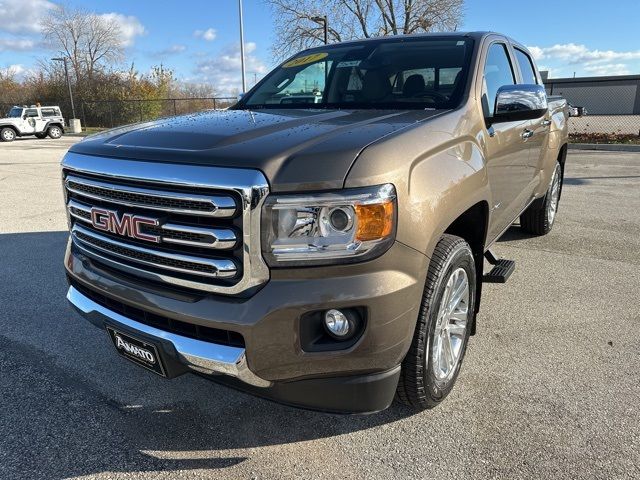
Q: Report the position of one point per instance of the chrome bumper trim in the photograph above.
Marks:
(203, 357)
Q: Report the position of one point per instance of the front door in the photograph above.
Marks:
(506, 149)
(29, 121)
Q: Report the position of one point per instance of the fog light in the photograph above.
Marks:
(337, 323)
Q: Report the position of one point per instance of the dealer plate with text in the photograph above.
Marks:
(138, 351)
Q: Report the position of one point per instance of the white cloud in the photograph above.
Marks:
(130, 26)
(223, 70)
(209, 34)
(17, 71)
(23, 16)
(579, 54)
(14, 70)
(607, 69)
(171, 50)
(16, 44)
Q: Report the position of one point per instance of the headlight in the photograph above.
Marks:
(334, 227)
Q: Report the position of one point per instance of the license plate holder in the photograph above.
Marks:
(140, 352)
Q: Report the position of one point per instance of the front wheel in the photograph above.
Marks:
(54, 132)
(7, 134)
(433, 362)
(539, 217)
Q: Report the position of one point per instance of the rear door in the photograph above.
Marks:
(538, 127)
(506, 150)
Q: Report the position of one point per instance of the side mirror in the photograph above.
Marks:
(24, 117)
(519, 102)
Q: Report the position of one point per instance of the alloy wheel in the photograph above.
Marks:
(451, 325)
(554, 197)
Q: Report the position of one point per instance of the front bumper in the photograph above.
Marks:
(202, 357)
(359, 379)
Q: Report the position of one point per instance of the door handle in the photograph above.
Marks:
(526, 133)
(546, 123)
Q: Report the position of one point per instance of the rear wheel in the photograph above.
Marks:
(54, 132)
(7, 134)
(431, 366)
(539, 217)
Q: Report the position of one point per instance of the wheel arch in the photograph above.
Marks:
(472, 225)
(12, 127)
(54, 124)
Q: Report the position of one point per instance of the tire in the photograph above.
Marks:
(7, 134)
(54, 132)
(538, 219)
(41, 135)
(423, 383)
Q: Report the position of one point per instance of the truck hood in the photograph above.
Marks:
(295, 149)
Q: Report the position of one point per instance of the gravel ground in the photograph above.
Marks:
(550, 387)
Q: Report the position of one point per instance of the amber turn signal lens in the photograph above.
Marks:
(374, 221)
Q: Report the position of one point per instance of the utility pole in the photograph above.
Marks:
(244, 80)
(323, 20)
(66, 74)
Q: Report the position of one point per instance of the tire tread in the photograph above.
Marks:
(411, 386)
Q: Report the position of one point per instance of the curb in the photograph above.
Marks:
(609, 147)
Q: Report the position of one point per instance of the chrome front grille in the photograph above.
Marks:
(191, 226)
(215, 206)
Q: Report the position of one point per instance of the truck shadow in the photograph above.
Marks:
(514, 233)
(81, 410)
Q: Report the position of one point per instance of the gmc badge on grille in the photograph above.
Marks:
(127, 224)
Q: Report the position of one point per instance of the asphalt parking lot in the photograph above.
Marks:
(550, 387)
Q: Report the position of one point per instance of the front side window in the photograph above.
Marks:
(31, 112)
(497, 73)
(382, 74)
(526, 67)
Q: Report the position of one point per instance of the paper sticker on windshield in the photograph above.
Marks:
(297, 62)
(352, 63)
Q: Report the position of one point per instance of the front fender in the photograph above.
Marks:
(438, 176)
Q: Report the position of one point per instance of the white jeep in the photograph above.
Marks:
(34, 120)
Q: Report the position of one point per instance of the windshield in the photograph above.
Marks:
(15, 113)
(386, 74)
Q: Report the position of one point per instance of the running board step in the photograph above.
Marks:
(500, 272)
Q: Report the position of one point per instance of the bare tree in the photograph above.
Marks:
(299, 26)
(90, 42)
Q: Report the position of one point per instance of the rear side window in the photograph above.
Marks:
(48, 112)
(526, 67)
(497, 73)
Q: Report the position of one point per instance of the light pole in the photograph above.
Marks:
(244, 80)
(323, 20)
(66, 74)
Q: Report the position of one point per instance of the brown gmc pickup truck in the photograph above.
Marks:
(323, 242)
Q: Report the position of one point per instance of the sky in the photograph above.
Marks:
(199, 40)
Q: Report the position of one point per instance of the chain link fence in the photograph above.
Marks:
(612, 104)
(114, 113)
